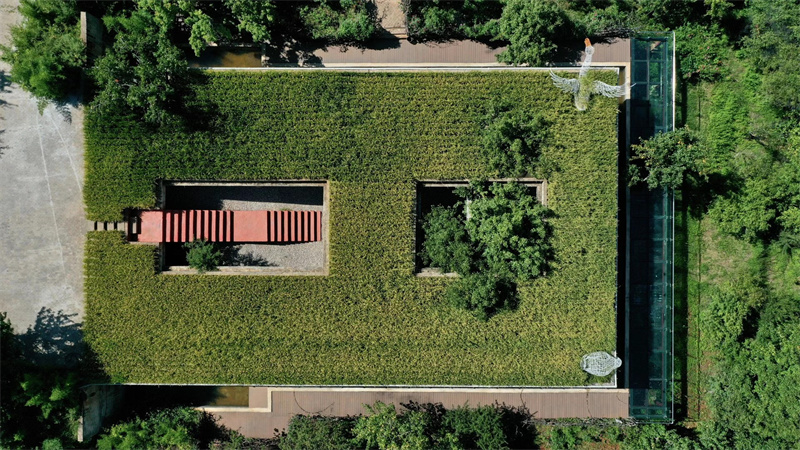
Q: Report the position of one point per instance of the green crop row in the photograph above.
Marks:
(371, 321)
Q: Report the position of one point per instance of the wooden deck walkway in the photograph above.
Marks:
(271, 408)
(390, 52)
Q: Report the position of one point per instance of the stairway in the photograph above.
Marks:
(227, 226)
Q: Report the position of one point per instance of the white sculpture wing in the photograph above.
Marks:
(568, 85)
(598, 87)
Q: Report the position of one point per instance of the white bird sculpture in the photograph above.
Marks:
(581, 88)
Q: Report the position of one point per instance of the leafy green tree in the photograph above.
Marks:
(143, 71)
(754, 388)
(480, 427)
(534, 29)
(702, 51)
(323, 433)
(39, 403)
(384, 428)
(510, 228)
(484, 294)
(203, 255)
(504, 240)
(443, 20)
(46, 52)
(344, 22)
(513, 140)
(203, 28)
(666, 160)
(254, 17)
(170, 428)
(447, 244)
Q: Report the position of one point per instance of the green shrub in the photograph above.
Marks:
(183, 428)
(447, 244)
(46, 52)
(384, 428)
(510, 229)
(534, 29)
(666, 160)
(513, 140)
(317, 432)
(480, 427)
(202, 255)
(344, 22)
(483, 294)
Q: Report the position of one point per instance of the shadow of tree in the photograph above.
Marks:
(5, 82)
(54, 340)
(235, 256)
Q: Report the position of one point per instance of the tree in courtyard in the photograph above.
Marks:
(498, 236)
(510, 229)
(46, 52)
(447, 244)
(202, 255)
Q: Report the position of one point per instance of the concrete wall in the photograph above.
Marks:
(99, 402)
(92, 35)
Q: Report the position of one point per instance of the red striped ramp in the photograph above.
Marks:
(230, 226)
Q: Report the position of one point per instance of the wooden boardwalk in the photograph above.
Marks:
(271, 408)
(391, 52)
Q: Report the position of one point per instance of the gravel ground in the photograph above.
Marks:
(301, 257)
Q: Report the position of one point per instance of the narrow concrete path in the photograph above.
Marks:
(271, 408)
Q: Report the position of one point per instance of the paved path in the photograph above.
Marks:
(389, 52)
(42, 226)
(392, 17)
(272, 407)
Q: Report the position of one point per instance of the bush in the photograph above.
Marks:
(322, 433)
(534, 29)
(483, 294)
(702, 52)
(202, 255)
(46, 52)
(183, 428)
(666, 160)
(143, 72)
(344, 22)
(447, 244)
(513, 140)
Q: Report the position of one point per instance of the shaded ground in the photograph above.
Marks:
(42, 226)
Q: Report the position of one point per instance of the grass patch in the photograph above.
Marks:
(371, 321)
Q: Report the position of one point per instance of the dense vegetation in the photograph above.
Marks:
(431, 426)
(371, 321)
(202, 255)
(46, 52)
(184, 428)
(41, 403)
(496, 237)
